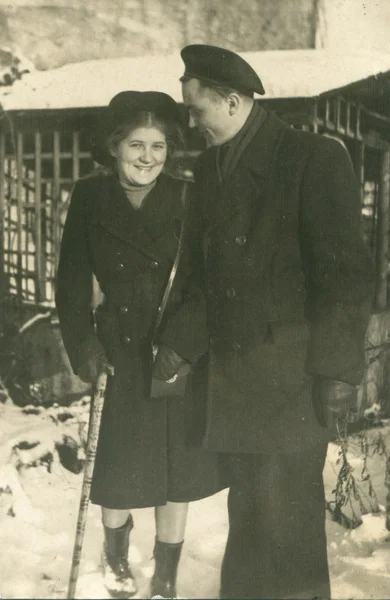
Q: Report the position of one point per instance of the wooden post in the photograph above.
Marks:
(358, 122)
(76, 156)
(39, 250)
(314, 117)
(382, 255)
(3, 289)
(358, 163)
(19, 213)
(348, 119)
(56, 198)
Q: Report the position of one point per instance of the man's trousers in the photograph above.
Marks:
(276, 546)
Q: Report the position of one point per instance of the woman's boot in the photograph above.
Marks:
(118, 577)
(167, 557)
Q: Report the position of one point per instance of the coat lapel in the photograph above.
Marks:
(136, 228)
(245, 189)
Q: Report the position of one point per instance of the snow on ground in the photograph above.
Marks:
(37, 543)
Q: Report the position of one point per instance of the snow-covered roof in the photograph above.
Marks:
(285, 74)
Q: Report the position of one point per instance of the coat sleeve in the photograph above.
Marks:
(185, 330)
(74, 285)
(339, 268)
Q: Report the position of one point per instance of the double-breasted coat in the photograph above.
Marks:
(141, 458)
(289, 288)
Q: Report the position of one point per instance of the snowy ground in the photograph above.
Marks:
(37, 542)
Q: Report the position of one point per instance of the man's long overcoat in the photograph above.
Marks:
(289, 288)
(131, 253)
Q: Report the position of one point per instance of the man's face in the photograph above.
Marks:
(208, 112)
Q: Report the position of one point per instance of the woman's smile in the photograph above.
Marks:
(141, 156)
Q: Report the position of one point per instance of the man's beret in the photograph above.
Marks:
(218, 65)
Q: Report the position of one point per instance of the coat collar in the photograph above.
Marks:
(259, 154)
(236, 146)
(139, 228)
(247, 183)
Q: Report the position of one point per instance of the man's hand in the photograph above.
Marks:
(334, 401)
(90, 370)
(167, 363)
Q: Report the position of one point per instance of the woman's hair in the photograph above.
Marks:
(171, 129)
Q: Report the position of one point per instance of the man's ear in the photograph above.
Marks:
(234, 101)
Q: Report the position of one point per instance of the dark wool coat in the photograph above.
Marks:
(141, 457)
(289, 288)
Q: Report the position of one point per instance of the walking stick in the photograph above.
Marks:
(93, 436)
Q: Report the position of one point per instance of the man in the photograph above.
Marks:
(289, 289)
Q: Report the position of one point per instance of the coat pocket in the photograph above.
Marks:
(274, 369)
(287, 331)
(107, 329)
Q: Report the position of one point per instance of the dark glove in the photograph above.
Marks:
(90, 370)
(168, 363)
(334, 401)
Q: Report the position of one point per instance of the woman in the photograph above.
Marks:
(123, 228)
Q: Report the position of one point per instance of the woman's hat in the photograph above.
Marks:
(123, 108)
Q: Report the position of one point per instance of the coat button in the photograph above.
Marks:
(240, 240)
(236, 346)
(126, 339)
(119, 266)
(213, 340)
(154, 264)
(231, 293)
(124, 309)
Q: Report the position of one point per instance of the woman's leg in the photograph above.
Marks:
(170, 526)
(113, 517)
(171, 519)
(118, 577)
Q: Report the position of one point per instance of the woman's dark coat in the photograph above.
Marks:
(289, 287)
(131, 253)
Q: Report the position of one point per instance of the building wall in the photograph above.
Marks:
(55, 32)
(354, 25)
(248, 24)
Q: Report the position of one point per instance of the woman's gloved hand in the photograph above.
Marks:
(89, 370)
(168, 363)
(334, 401)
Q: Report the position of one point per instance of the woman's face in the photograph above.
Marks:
(140, 157)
